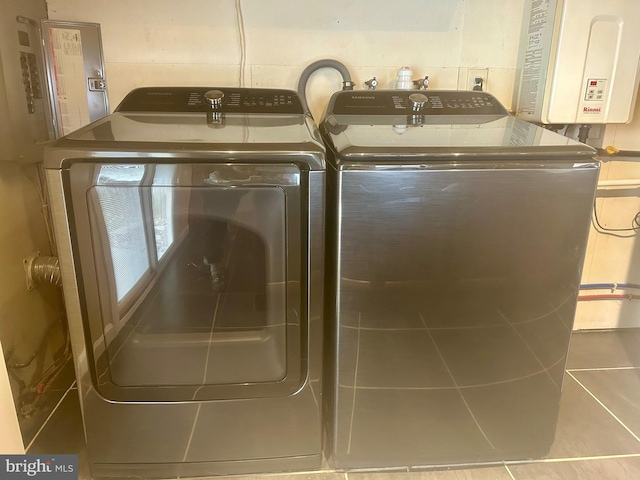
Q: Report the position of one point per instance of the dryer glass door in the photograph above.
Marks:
(192, 278)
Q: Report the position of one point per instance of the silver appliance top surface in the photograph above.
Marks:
(405, 125)
(162, 127)
(172, 122)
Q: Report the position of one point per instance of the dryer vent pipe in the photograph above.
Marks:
(41, 270)
(347, 84)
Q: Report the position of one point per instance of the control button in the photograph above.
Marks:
(417, 101)
(214, 97)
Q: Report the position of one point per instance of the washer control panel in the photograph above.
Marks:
(207, 99)
(409, 102)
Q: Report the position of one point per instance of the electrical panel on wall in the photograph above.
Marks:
(24, 106)
(51, 79)
(32, 70)
(579, 61)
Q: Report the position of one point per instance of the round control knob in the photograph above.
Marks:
(214, 97)
(417, 101)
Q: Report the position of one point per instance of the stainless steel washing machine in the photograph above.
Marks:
(456, 239)
(190, 234)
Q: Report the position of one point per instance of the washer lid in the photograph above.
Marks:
(208, 115)
(394, 126)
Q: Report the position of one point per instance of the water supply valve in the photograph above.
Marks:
(421, 83)
(371, 84)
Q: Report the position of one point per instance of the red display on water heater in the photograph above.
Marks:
(593, 83)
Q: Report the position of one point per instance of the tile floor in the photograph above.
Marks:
(598, 435)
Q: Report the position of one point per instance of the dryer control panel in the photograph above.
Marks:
(208, 99)
(408, 102)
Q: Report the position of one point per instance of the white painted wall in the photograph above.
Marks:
(609, 258)
(196, 42)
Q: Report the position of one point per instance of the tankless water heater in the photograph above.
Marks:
(578, 61)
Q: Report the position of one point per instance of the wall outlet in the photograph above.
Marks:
(482, 73)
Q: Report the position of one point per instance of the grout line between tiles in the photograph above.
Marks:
(568, 328)
(531, 350)
(213, 323)
(193, 429)
(355, 383)
(605, 407)
(571, 459)
(601, 369)
(509, 472)
(463, 387)
(244, 476)
(455, 383)
(204, 381)
(44, 424)
(506, 464)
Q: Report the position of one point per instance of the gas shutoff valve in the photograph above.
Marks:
(478, 83)
(371, 84)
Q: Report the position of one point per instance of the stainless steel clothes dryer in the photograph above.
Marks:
(456, 240)
(190, 233)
